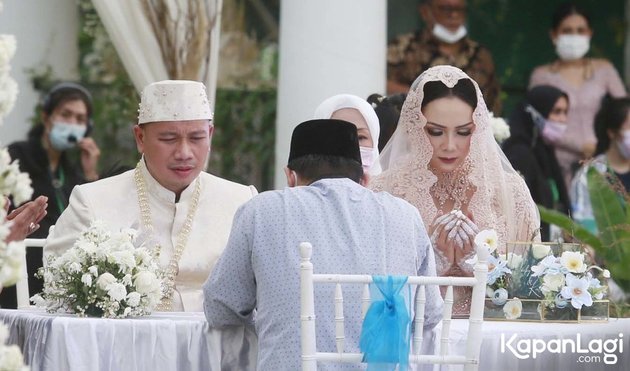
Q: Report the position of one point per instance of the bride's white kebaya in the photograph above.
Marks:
(444, 160)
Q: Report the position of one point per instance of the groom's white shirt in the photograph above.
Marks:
(115, 201)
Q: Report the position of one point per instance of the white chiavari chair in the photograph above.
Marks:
(21, 286)
(470, 360)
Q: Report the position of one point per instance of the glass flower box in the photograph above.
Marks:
(546, 282)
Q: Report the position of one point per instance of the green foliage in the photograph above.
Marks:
(243, 141)
(573, 228)
(244, 135)
(612, 243)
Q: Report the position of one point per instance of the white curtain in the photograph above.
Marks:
(141, 49)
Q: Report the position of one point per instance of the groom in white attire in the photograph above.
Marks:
(179, 209)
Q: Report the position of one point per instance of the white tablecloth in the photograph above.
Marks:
(162, 341)
(496, 334)
(183, 341)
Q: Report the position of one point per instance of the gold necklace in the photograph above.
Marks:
(170, 272)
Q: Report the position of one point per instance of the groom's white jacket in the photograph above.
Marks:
(115, 201)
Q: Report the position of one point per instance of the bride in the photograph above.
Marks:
(443, 159)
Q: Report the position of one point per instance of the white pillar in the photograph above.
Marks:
(327, 47)
(46, 35)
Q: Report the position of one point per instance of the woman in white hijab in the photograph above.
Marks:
(444, 160)
(358, 111)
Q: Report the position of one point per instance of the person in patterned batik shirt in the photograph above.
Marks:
(443, 41)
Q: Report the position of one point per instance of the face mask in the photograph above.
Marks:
(623, 145)
(572, 47)
(367, 157)
(445, 35)
(553, 131)
(65, 136)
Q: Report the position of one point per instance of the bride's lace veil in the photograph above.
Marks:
(501, 199)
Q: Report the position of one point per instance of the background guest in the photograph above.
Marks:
(535, 126)
(612, 155)
(444, 40)
(585, 80)
(47, 157)
(357, 111)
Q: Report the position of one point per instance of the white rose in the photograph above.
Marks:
(487, 237)
(86, 278)
(146, 282)
(126, 312)
(513, 309)
(573, 261)
(12, 358)
(552, 282)
(540, 251)
(124, 259)
(133, 299)
(105, 280)
(514, 260)
(117, 291)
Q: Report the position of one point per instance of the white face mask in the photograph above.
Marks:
(367, 158)
(623, 144)
(64, 136)
(572, 47)
(445, 35)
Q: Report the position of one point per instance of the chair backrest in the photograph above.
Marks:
(21, 286)
(470, 360)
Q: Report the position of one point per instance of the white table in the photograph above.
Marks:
(162, 341)
(495, 333)
(183, 341)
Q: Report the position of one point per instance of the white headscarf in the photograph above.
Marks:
(501, 199)
(337, 102)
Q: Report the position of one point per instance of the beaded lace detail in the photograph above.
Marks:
(172, 269)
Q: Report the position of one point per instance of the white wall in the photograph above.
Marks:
(327, 47)
(46, 33)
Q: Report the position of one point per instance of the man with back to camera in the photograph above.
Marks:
(182, 212)
(352, 229)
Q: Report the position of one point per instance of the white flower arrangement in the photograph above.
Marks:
(568, 280)
(498, 270)
(13, 183)
(17, 185)
(102, 275)
(10, 355)
(500, 128)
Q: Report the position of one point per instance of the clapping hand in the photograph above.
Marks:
(26, 218)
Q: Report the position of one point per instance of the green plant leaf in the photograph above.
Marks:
(611, 219)
(575, 229)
